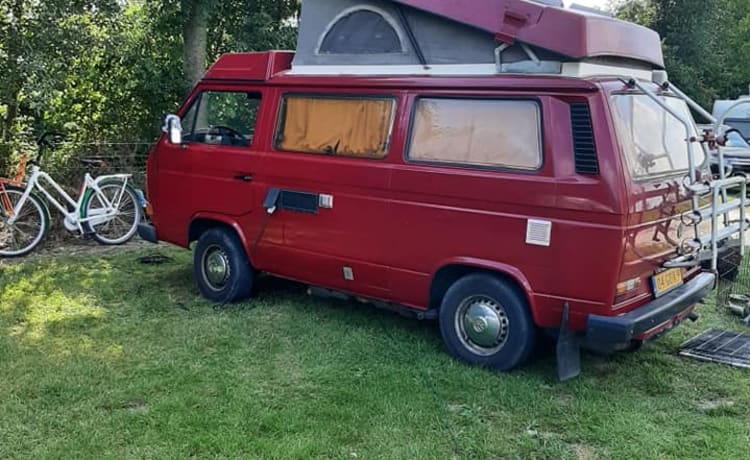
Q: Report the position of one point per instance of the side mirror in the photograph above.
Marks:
(173, 128)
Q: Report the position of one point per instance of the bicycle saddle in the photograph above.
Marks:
(91, 162)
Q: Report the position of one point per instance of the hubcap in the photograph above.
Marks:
(216, 269)
(482, 325)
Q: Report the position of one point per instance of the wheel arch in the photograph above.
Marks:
(200, 223)
(453, 270)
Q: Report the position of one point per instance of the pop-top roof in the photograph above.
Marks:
(568, 32)
(452, 37)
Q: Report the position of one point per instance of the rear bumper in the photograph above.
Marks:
(147, 232)
(664, 311)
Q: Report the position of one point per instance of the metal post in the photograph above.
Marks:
(714, 230)
(743, 217)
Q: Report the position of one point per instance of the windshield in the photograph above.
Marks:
(652, 139)
(742, 125)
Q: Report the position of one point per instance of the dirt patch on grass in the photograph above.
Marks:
(712, 405)
(584, 452)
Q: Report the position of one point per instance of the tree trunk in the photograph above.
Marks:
(195, 38)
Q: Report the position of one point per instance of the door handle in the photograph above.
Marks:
(244, 177)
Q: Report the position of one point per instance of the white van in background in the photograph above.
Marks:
(736, 116)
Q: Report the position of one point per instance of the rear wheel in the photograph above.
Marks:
(29, 227)
(118, 228)
(221, 268)
(485, 321)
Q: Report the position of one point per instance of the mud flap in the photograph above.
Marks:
(568, 349)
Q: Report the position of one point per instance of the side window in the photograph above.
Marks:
(477, 132)
(361, 32)
(222, 118)
(358, 127)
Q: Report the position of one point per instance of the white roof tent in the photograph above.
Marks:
(477, 37)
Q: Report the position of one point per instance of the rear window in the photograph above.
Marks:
(735, 139)
(359, 127)
(742, 125)
(653, 140)
(477, 132)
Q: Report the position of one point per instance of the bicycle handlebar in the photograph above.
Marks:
(47, 140)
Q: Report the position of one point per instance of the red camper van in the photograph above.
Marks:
(505, 168)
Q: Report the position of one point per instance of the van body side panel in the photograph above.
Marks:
(592, 209)
(442, 212)
(343, 246)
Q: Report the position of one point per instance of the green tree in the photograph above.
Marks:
(211, 27)
(107, 70)
(38, 38)
(734, 31)
(706, 43)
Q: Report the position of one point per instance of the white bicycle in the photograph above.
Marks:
(107, 209)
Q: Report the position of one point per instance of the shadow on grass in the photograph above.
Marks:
(68, 298)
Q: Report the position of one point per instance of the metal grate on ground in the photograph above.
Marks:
(718, 346)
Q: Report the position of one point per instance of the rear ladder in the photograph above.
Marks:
(722, 208)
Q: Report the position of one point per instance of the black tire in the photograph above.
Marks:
(32, 226)
(494, 304)
(221, 268)
(122, 227)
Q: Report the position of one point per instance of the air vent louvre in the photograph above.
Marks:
(584, 144)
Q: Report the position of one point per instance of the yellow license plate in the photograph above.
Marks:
(666, 281)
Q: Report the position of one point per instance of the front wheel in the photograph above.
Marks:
(29, 227)
(221, 268)
(485, 321)
(112, 215)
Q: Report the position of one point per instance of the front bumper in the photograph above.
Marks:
(147, 232)
(662, 311)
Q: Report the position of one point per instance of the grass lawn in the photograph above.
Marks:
(102, 357)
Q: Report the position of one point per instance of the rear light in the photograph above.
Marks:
(627, 289)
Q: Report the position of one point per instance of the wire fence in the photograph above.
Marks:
(733, 290)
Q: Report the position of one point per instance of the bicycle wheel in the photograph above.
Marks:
(119, 227)
(29, 228)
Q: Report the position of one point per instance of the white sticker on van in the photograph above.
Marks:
(538, 232)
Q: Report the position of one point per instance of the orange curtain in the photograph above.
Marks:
(356, 127)
(477, 132)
